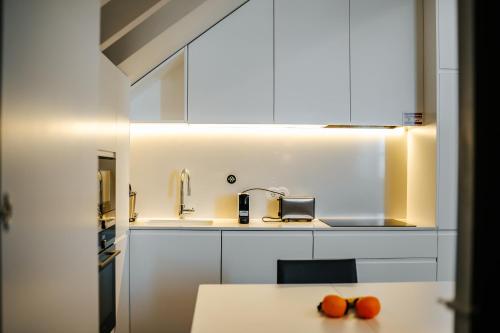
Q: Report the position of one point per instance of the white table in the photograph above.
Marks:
(406, 307)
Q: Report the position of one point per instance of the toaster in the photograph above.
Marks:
(296, 208)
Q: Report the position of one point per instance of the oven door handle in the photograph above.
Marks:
(109, 259)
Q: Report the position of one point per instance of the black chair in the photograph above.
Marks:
(317, 271)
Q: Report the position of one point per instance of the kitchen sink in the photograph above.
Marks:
(178, 222)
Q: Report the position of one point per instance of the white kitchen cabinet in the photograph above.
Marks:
(312, 62)
(110, 95)
(374, 244)
(230, 69)
(396, 270)
(122, 285)
(382, 255)
(447, 167)
(384, 53)
(251, 256)
(166, 268)
(160, 96)
(447, 255)
(448, 34)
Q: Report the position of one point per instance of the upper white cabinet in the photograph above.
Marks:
(384, 67)
(448, 34)
(230, 72)
(161, 95)
(339, 62)
(312, 62)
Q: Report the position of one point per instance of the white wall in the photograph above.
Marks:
(50, 137)
(343, 168)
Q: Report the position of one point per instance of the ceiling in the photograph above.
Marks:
(138, 35)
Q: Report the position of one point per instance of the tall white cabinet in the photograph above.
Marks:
(312, 62)
(230, 69)
(384, 60)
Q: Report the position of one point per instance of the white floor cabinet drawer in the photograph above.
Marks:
(166, 268)
(250, 256)
(396, 270)
(374, 244)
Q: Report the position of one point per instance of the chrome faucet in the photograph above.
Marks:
(185, 178)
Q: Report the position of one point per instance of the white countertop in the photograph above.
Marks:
(255, 224)
(406, 307)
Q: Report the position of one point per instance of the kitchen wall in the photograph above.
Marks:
(351, 172)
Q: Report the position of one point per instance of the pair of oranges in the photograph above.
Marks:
(335, 306)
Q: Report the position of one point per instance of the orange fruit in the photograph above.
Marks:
(333, 306)
(367, 307)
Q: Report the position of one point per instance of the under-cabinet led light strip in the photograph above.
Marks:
(169, 128)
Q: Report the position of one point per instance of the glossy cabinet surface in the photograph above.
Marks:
(339, 62)
(382, 256)
(374, 244)
(396, 270)
(251, 256)
(122, 265)
(384, 54)
(447, 143)
(230, 69)
(166, 267)
(447, 249)
(448, 34)
(312, 62)
(50, 108)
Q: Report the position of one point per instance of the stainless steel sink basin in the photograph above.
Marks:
(179, 222)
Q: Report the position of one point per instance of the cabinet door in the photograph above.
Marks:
(160, 96)
(312, 62)
(396, 270)
(374, 244)
(447, 122)
(166, 268)
(251, 256)
(448, 34)
(230, 69)
(447, 255)
(122, 285)
(384, 65)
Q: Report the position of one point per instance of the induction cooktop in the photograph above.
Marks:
(365, 223)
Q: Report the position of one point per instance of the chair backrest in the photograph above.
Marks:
(317, 271)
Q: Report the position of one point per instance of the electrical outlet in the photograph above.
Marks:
(284, 190)
(275, 196)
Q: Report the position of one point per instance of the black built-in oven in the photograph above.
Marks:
(107, 277)
(107, 289)
(106, 244)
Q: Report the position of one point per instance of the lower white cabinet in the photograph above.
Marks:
(250, 256)
(447, 255)
(122, 285)
(166, 268)
(382, 256)
(396, 270)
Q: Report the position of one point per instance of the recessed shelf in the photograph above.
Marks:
(161, 95)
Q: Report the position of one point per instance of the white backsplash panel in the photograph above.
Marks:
(344, 169)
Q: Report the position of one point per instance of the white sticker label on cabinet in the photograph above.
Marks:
(412, 119)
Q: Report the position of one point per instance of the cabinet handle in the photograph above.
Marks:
(5, 212)
(108, 260)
